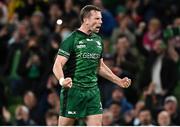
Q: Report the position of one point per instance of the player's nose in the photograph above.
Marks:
(100, 21)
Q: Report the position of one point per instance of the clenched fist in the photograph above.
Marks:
(125, 82)
(67, 82)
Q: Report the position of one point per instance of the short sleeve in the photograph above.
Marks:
(66, 47)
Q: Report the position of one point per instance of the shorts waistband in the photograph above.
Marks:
(84, 88)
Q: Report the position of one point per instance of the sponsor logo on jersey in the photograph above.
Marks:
(89, 39)
(89, 55)
(81, 46)
(98, 44)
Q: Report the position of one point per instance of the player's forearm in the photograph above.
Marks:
(57, 70)
(106, 73)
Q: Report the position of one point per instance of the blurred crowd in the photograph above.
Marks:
(141, 40)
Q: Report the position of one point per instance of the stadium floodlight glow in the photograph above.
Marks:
(59, 21)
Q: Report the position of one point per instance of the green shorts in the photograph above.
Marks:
(80, 102)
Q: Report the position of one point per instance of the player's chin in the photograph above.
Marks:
(97, 30)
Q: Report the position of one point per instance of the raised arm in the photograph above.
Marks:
(105, 72)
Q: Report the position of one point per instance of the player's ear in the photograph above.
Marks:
(86, 21)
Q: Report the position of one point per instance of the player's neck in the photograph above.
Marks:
(84, 29)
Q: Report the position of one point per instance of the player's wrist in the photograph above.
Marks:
(61, 80)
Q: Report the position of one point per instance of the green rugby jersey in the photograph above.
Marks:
(83, 52)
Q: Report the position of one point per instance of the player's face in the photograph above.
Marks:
(94, 21)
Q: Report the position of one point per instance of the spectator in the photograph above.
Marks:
(51, 118)
(123, 29)
(107, 119)
(171, 106)
(128, 118)
(31, 102)
(153, 32)
(115, 108)
(145, 118)
(70, 15)
(22, 116)
(118, 96)
(53, 101)
(32, 68)
(138, 107)
(124, 58)
(5, 117)
(164, 119)
(176, 22)
(3, 13)
(38, 28)
(55, 13)
(160, 66)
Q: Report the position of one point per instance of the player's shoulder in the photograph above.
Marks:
(70, 37)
